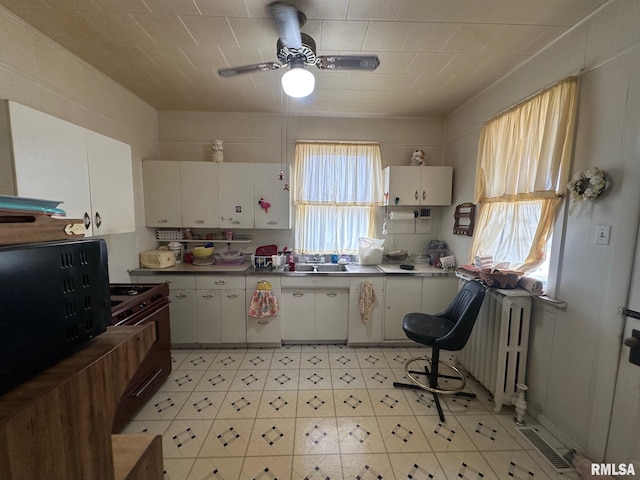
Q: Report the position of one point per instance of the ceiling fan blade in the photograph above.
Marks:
(348, 62)
(256, 67)
(287, 23)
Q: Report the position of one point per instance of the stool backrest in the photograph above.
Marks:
(463, 311)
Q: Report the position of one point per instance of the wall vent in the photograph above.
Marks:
(547, 451)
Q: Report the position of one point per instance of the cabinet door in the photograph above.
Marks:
(111, 184)
(359, 332)
(183, 317)
(235, 195)
(436, 185)
(298, 312)
(199, 194)
(50, 160)
(265, 330)
(208, 316)
(233, 315)
(402, 296)
(270, 189)
(437, 293)
(402, 185)
(331, 314)
(162, 204)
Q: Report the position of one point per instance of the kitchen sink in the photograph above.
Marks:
(320, 268)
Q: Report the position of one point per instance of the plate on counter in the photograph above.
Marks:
(203, 261)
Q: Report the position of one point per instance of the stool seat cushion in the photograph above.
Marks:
(426, 329)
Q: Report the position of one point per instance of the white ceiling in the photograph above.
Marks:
(434, 54)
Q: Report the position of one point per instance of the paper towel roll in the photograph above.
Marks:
(401, 216)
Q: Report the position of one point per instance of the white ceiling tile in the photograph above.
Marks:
(470, 38)
(372, 10)
(175, 7)
(222, 8)
(428, 37)
(204, 57)
(123, 6)
(210, 31)
(429, 64)
(119, 27)
(395, 62)
(386, 37)
(342, 35)
(254, 33)
(167, 29)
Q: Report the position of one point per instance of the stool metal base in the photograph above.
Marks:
(459, 376)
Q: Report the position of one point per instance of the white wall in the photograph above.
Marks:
(271, 138)
(37, 72)
(574, 352)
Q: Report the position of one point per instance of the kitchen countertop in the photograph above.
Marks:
(246, 269)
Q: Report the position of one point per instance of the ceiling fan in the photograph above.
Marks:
(298, 50)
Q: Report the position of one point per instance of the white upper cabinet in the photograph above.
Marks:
(408, 186)
(269, 189)
(235, 195)
(162, 204)
(111, 185)
(58, 160)
(180, 194)
(199, 194)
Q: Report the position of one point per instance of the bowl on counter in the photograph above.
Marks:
(397, 255)
(202, 252)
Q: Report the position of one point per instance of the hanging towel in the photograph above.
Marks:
(263, 302)
(366, 301)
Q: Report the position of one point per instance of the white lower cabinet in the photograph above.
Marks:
(402, 295)
(369, 333)
(315, 309)
(220, 309)
(437, 293)
(265, 331)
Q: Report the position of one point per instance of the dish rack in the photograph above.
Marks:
(261, 262)
(168, 235)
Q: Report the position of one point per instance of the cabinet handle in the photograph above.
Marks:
(220, 282)
(87, 220)
(163, 220)
(332, 294)
(138, 392)
(263, 322)
(232, 295)
(199, 221)
(167, 281)
(235, 222)
(272, 223)
(98, 220)
(207, 296)
(298, 294)
(416, 194)
(424, 195)
(181, 295)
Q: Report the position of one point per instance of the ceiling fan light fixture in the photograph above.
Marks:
(298, 82)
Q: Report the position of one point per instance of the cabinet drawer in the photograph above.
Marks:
(315, 282)
(175, 281)
(219, 282)
(355, 282)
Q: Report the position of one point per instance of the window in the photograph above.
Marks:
(336, 189)
(522, 170)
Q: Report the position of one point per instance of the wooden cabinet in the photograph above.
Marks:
(370, 333)
(269, 187)
(46, 157)
(264, 331)
(408, 186)
(220, 309)
(180, 194)
(235, 195)
(63, 416)
(315, 309)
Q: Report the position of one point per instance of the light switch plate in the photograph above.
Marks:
(602, 234)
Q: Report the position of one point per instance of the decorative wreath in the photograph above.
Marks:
(587, 185)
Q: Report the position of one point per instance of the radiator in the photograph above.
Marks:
(496, 353)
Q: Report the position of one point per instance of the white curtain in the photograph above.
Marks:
(336, 189)
(522, 171)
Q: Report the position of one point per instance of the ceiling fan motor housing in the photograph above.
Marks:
(306, 54)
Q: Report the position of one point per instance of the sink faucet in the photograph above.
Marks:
(316, 259)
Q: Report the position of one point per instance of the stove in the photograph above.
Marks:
(134, 304)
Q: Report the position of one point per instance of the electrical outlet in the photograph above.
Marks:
(602, 234)
(394, 242)
(138, 243)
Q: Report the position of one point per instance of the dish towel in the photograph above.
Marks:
(366, 301)
(263, 302)
(531, 285)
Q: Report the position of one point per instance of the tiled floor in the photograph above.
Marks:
(327, 412)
